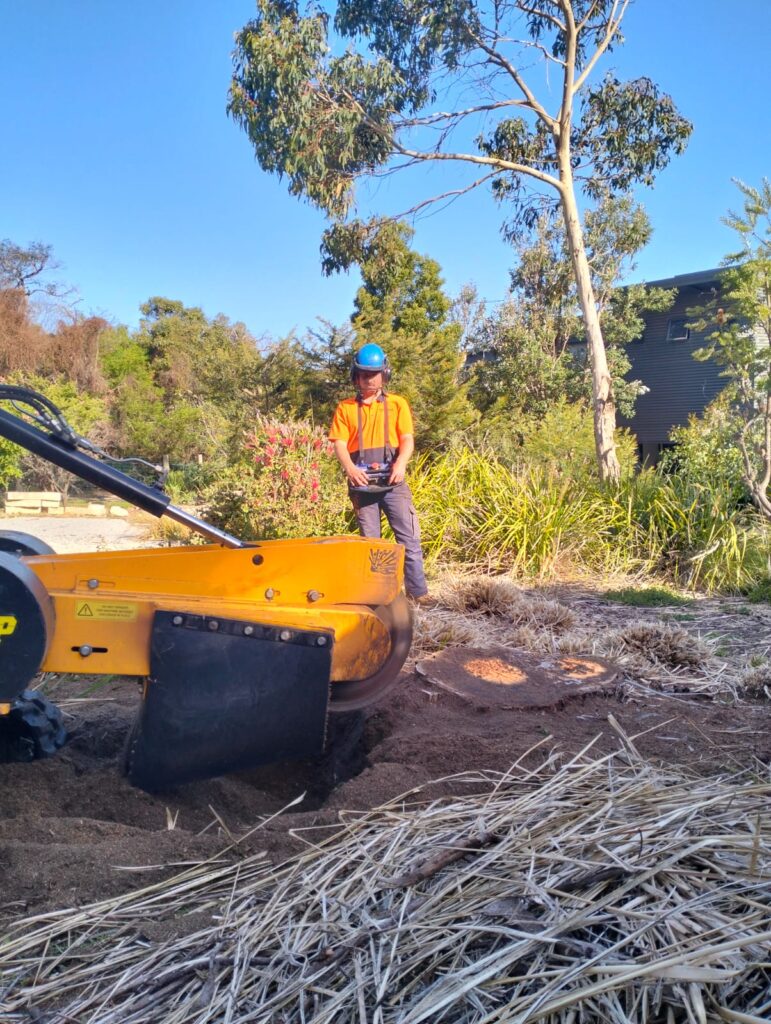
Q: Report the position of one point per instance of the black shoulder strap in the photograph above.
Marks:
(361, 437)
(386, 435)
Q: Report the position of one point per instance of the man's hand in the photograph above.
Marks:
(356, 477)
(398, 470)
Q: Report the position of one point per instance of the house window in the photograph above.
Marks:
(677, 329)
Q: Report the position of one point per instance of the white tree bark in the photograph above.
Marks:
(602, 386)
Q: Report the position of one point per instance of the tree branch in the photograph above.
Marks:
(542, 14)
(568, 89)
(502, 62)
(446, 115)
(614, 23)
(452, 195)
(585, 21)
(485, 161)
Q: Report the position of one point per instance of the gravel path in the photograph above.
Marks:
(68, 534)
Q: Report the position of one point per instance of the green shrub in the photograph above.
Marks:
(760, 591)
(10, 462)
(284, 484)
(706, 451)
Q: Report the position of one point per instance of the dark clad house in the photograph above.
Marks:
(662, 359)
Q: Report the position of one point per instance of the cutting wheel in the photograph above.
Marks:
(354, 694)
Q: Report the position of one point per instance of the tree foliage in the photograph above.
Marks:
(740, 337)
(403, 307)
(419, 80)
(531, 352)
(325, 118)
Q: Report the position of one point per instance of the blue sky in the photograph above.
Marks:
(117, 151)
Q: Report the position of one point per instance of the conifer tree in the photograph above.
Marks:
(403, 307)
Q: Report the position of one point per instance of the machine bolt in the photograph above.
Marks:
(93, 584)
(213, 625)
(270, 593)
(177, 620)
(257, 559)
(85, 650)
(248, 630)
(321, 641)
(314, 595)
(284, 634)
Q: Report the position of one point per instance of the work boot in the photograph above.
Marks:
(424, 601)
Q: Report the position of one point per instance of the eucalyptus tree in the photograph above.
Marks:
(504, 92)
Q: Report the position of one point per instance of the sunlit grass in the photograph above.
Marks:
(647, 597)
(478, 512)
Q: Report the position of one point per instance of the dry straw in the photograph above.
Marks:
(580, 890)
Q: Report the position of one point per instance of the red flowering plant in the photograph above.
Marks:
(283, 484)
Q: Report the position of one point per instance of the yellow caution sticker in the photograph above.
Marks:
(107, 611)
(7, 625)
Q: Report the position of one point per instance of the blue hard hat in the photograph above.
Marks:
(371, 359)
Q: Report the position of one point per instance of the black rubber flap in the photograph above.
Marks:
(26, 625)
(225, 695)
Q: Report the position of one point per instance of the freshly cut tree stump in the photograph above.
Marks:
(502, 678)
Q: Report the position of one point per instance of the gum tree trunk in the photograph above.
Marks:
(602, 386)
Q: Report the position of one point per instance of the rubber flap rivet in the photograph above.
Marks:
(248, 630)
(314, 595)
(177, 620)
(321, 641)
(213, 625)
(284, 634)
(270, 593)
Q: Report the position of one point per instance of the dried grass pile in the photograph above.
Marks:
(478, 611)
(656, 657)
(670, 646)
(499, 597)
(755, 683)
(595, 889)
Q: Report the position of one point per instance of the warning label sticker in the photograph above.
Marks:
(112, 611)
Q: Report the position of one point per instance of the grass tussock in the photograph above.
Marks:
(502, 599)
(659, 643)
(755, 684)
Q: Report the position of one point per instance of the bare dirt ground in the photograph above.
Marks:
(72, 830)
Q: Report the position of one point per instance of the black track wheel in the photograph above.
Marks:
(33, 729)
(13, 542)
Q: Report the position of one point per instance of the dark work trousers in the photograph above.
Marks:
(403, 520)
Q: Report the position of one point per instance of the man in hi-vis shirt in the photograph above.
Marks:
(373, 437)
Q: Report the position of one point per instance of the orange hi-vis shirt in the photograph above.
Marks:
(345, 426)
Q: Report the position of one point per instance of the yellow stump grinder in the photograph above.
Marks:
(243, 649)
